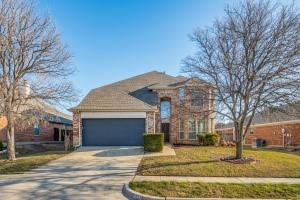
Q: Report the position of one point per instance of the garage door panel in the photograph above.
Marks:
(113, 132)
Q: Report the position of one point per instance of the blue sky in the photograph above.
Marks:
(115, 39)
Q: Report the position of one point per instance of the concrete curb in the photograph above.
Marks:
(217, 179)
(133, 195)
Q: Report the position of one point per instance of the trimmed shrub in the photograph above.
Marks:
(211, 139)
(153, 142)
(201, 138)
(1, 145)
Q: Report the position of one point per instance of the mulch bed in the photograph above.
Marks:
(244, 160)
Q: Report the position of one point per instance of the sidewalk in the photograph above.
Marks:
(217, 179)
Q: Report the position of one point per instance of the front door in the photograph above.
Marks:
(56, 134)
(165, 128)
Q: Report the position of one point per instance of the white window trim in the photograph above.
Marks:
(192, 139)
(202, 99)
(181, 94)
(196, 124)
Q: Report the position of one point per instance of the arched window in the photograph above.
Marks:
(165, 111)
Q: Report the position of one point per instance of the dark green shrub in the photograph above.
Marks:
(201, 138)
(1, 145)
(153, 142)
(211, 139)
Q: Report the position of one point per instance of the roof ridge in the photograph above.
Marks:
(133, 77)
(109, 84)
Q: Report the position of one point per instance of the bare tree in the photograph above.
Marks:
(34, 63)
(252, 57)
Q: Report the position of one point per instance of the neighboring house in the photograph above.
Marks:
(120, 113)
(276, 128)
(40, 126)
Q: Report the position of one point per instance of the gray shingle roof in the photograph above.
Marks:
(124, 95)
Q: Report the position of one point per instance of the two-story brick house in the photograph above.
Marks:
(120, 113)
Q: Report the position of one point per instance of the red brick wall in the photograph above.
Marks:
(272, 134)
(26, 133)
(76, 137)
(183, 112)
(150, 122)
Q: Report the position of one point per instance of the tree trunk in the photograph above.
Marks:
(10, 135)
(239, 141)
(239, 150)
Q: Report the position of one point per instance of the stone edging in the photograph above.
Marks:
(133, 195)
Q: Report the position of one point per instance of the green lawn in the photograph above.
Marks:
(28, 162)
(217, 190)
(204, 161)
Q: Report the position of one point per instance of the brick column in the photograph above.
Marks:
(150, 122)
(76, 129)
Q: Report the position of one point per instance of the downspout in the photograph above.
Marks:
(147, 123)
(283, 137)
(154, 121)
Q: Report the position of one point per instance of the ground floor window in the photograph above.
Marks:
(36, 128)
(192, 129)
(196, 126)
(181, 129)
(200, 126)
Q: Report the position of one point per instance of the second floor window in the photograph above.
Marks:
(181, 94)
(165, 111)
(197, 97)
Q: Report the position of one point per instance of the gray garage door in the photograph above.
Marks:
(113, 132)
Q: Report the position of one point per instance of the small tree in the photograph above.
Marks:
(33, 64)
(252, 57)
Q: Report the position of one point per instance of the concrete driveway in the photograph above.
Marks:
(88, 173)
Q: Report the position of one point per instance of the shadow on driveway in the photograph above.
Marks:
(89, 173)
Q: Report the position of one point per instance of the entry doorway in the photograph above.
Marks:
(56, 134)
(165, 128)
(59, 134)
(165, 114)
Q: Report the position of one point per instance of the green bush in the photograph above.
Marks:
(1, 145)
(201, 138)
(153, 142)
(211, 139)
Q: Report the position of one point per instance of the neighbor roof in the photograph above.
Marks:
(284, 113)
(119, 95)
(47, 112)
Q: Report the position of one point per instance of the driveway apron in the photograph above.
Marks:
(88, 173)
